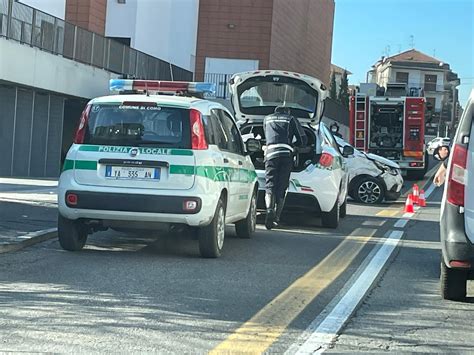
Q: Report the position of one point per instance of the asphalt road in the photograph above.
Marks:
(153, 293)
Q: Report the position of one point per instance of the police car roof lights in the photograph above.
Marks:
(162, 86)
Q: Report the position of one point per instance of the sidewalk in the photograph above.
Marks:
(28, 212)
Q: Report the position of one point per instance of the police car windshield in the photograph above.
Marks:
(116, 124)
(261, 95)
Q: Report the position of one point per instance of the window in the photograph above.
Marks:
(209, 129)
(402, 77)
(232, 133)
(137, 125)
(430, 82)
(220, 134)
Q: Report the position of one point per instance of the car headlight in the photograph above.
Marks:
(386, 168)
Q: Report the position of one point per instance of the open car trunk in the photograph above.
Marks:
(301, 160)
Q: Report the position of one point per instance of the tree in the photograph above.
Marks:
(333, 88)
(343, 96)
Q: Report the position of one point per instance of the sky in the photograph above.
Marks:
(364, 30)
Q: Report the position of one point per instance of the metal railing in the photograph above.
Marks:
(221, 81)
(30, 26)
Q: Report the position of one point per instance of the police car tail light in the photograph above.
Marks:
(190, 205)
(161, 86)
(198, 137)
(71, 199)
(326, 160)
(81, 129)
(457, 176)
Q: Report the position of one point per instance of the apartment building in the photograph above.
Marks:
(420, 70)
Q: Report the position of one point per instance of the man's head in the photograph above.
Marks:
(283, 109)
(441, 152)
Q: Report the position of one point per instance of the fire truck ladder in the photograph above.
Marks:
(360, 121)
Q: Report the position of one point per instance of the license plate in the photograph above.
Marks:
(132, 173)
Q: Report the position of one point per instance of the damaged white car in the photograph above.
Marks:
(372, 178)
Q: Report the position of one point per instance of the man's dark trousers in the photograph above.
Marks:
(277, 176)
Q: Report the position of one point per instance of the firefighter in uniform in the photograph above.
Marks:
(281, 130)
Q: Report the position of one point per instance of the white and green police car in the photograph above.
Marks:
(144, 161)
(318, 182)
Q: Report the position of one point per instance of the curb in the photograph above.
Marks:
(29, 239)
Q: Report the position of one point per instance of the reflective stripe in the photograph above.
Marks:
(280, 145)
(278, 152)
(277, 120)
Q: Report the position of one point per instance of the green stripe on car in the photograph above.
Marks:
(215, 173)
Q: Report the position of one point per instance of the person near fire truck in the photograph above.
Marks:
(441, 153)
(283, 134)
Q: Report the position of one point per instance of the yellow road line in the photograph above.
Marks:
(387, 213)
(264, 328)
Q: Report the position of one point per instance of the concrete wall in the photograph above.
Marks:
(166, 29)
(56, 8)
(33, 67)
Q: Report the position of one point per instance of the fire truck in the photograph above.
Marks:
(391, 123)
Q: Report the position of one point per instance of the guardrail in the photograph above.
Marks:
(33, 27)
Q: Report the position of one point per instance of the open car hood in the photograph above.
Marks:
(256, 94)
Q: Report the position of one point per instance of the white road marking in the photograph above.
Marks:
(401, 223)
(430, 190)
(408, 215)
(324, 333)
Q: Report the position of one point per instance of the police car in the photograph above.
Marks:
(150, 160)
(318, 182)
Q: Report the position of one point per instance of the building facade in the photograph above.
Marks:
(49, 69)
(435, 77)
(246, 35)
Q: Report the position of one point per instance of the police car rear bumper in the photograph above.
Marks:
(134, 207)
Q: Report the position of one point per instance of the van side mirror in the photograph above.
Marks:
(441, 153)
(347, 151)
(252, 145)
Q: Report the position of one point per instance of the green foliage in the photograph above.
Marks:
(343, 96)
(333, 88)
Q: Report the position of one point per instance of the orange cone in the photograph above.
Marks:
(416, 194)
(421, 199)
(409, 204)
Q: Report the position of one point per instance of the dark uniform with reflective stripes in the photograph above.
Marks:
(280, 130)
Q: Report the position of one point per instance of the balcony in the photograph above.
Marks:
(35, 28)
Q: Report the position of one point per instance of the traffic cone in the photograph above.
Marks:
(421, 199)
(409, 204)
(416, 193)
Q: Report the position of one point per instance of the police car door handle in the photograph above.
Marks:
(226, 160)
(240, 162)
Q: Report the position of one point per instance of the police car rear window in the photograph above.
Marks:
(138, 125)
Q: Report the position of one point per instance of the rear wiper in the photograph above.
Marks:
(144, 143)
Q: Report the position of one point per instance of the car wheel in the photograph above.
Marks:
(72, 234)
(453, 283)
(331, 219)
(369, 190)
(211, 237)
(246, 227)
(343, 209)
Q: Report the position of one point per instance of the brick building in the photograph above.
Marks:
(265, 34)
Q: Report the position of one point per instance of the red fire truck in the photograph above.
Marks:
(391, 123)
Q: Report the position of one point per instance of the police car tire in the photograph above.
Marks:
(343, 209)
(331, 219)
(72, 234)
(208, 235)
(246, 227)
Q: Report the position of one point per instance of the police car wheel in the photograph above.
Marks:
(211, 237)
(246, 227)
(72, 234)
(331, 219)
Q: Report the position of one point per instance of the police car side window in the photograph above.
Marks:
(220, 135)
(235, 140)
(209, 129)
